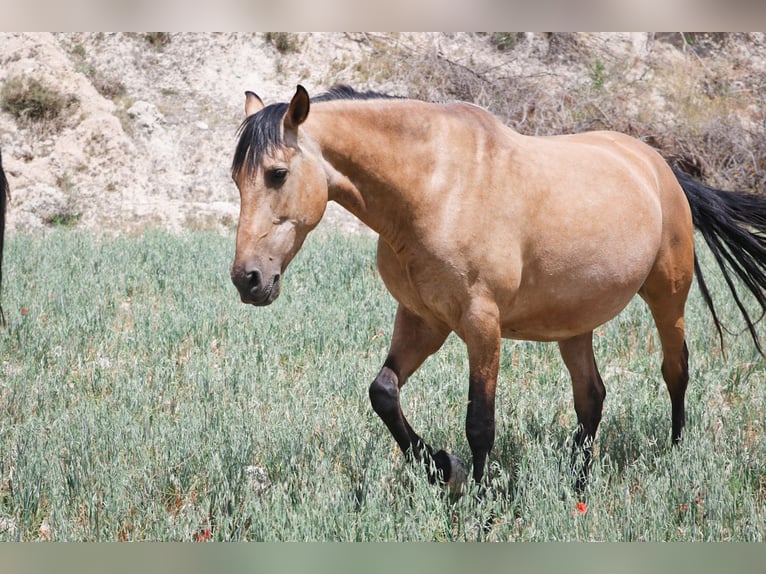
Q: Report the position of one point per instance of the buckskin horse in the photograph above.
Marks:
(491, 234)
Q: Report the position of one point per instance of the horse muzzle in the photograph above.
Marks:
(253, 288)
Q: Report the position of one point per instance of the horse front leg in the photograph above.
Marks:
(413, 342)
(481, 333)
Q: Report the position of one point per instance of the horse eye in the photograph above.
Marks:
(276, 177)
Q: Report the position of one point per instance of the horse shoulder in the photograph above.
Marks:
(423, 282)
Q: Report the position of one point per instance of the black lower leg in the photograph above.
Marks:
(589, 417)
(384, 396)
(677, 383)
(589, 394)
(480, 431)
(582, 454)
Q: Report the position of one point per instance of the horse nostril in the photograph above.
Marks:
(254, 287)
(253, 279)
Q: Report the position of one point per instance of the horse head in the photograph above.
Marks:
(283, 194)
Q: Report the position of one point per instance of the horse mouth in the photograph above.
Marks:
(257, 302)
(263, 296)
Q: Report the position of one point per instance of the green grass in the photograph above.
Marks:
(138, 396)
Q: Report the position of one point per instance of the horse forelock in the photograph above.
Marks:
(261, 133)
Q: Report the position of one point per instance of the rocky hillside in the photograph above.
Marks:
(120, 132)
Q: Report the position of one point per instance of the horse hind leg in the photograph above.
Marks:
(668, 312)
(665, 291)
(589, 393)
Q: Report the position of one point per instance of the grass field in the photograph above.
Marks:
(140, 400)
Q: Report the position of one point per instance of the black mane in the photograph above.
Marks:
(261, 133)
(344, 92)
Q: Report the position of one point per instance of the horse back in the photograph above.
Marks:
(560, 232)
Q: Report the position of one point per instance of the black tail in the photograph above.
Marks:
(3, 201)
(734, 227)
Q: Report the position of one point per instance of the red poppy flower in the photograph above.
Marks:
(24, 310)
(581, 507)
(202, 535)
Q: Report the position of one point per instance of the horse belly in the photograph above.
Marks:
(555, 318)
(572, 287)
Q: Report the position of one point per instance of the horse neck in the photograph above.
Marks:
(379, 158)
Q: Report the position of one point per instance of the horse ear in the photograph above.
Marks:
(253, 104)
(298, 109)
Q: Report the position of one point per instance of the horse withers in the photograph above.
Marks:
(489, 234)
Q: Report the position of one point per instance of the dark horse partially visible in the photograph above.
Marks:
(3, 201)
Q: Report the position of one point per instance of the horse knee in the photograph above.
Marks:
(384, 394)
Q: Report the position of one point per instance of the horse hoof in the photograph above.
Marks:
(458, 476)
(454, 473)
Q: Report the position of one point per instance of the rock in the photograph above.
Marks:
(257, 478)
(146, 115)
(41, 205)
